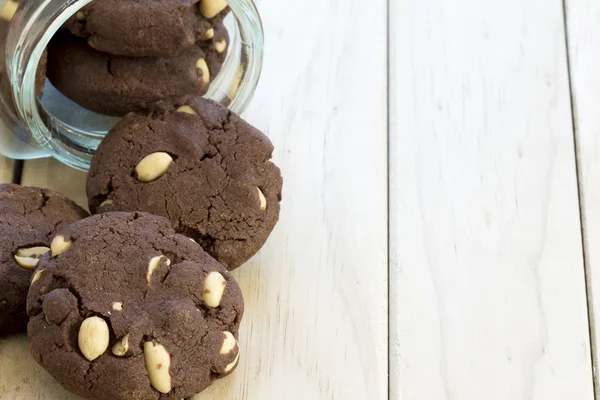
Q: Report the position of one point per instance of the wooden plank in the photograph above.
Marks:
(488, 297)
(52, 174)
(6, 169)
(21, 378)
(583, 29)
(316, 295)
(316, 319)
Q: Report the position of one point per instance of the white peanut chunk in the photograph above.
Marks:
(262, 199)
(59, 245)
(209, 34)
(153, 265)
(9, 10)
(80, 16)
(106, 203)
(93, 337)
(214, 287)
(220, 46)
(158, 362)
(187, 110)
(37, 276)
(153, 166)
(210, 8)
(231, 366)
(121, 347)
(29, 258)
(117, 306)
(203, 66)
(229, 343)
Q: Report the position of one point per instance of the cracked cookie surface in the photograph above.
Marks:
(116, 85)
(146, 28)
(125, 308)
(29, 217)
(201, 166)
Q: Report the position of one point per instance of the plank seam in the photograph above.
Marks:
(389, 183)
(582, 217)
(17, 171)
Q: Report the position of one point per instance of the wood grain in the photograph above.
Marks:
(316, 295)
(583, 23)
(488, 297)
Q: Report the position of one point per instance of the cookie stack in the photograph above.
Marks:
(137, 301)
(115, 56)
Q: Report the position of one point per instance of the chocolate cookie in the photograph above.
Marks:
(203, 167)
(29, 218)
(146, 28)
(126, 309)
(117, 85)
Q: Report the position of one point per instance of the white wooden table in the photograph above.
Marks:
(440, 230)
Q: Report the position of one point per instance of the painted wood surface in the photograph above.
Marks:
(487, 278)
(6, 170)
(316, 295)
(583, 27)
(50, 173)
(488, 296)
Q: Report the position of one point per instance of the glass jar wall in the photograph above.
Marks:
(34, 125)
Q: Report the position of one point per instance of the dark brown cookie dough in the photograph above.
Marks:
(29, 217)
(116, 85)
(215, 45)
(126, 309)
(146, 27)
(220, 188)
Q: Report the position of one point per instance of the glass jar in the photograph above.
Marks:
(33, 127)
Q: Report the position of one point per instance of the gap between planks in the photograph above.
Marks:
(582, 220)
(459, 242)
(581, 18)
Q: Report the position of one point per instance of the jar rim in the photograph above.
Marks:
(75, 147)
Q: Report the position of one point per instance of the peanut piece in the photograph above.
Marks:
(59, 245)
(220, 46)
(36, 276)
(214, 287)
(106, 203)
(187, 110)
(158, 361)
(93, 337)
(121, 347)
(229, 344)
(153, 265)
(203, 66)
(153, 166)
(210, 8)
(263, 200)
(29, 258)
(208, 35)
(231, 366)
(9, 10)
